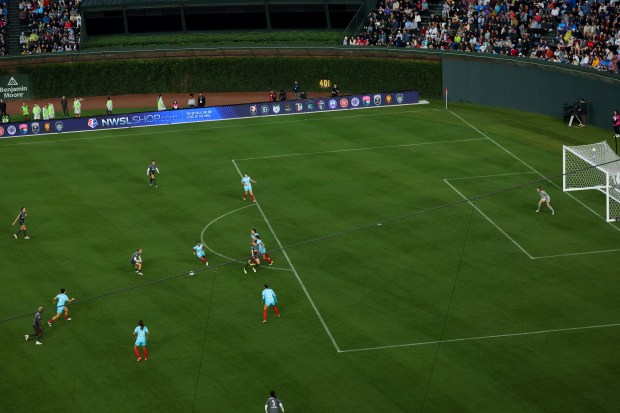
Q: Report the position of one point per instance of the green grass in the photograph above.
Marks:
(388, 293)
(284, 38)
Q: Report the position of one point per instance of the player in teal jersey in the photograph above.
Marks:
(269, 300)
(544, 197)
(61, 300)
(246, 181)
(199, 252)
(141, 332)
(262, 248)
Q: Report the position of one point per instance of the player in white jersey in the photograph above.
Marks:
(544, 197)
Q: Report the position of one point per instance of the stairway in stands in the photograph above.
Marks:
(435, 7)
(14, 30)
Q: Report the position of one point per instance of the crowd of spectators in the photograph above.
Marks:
(49, 25)
(4, 20)
(578, 32)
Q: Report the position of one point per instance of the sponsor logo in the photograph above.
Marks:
(310, 105)
(275, 109)
(321, 104)
(377, 100)
(253, 110)
(12, 82)
(355, 102)
(11, 130)
(35, 127)
(264, 110)
(23, 128)
(47, 127)
(344, 102)
(333, 104)
(388, 99)
(1, 131)
(366, 100)
(92, 123)
(59, 126)
(299, 107)
(400, 98)
(287, 107)
(149, 119)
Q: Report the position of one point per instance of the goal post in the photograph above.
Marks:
(594, 166)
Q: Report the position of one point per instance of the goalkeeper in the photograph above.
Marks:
(544, 197)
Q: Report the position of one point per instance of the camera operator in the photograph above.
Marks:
(615, 122)
(582, 111)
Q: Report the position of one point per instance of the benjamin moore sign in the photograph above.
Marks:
(14, 87)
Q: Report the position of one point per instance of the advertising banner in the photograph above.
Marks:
(14, 87)
(173, 117)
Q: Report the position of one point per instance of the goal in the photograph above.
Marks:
(594, 166)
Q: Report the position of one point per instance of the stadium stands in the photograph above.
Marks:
(49, 25)
(585, 33)
(4, 14)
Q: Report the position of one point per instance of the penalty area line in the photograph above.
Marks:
(495, 336)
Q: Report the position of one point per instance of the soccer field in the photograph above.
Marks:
(412, 271)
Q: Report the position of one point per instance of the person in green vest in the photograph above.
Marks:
(109, 106)
(160, 103)
(46, 114)
(77, 107)
(25, 111)
(50, 110)
(36, 112)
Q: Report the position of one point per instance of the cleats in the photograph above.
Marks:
(15, 235)
(68, 319)
(38, 343)
(26, 237)
(27, 337)
(206, 264)
(271, 263)
(254, 269)
(139, 359)
(49, 324)
(552, 212)
(538, 210)
(245, 271)
(145, 359)
(264, 321)
(254, 200)
(139, 273)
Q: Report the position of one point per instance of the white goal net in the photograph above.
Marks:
(594, 166)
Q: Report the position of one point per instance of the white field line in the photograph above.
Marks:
(490, 220)
(360, 149)
(288, 260)
(575, 253)
(203, 125)
(488, 176)
(496, 336)
(202, 239)
(533, 170)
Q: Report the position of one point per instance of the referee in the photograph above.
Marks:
(36, 325)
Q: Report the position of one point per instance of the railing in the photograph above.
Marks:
(356, 22)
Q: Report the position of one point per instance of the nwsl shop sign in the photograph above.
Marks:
(173, 117)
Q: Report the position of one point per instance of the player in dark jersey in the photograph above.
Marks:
(21, 217)
(151, 171)
(273, 404)
(36, 324)
(136, 261)
(254, 260)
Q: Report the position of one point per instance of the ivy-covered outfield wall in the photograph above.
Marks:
(232, 74)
